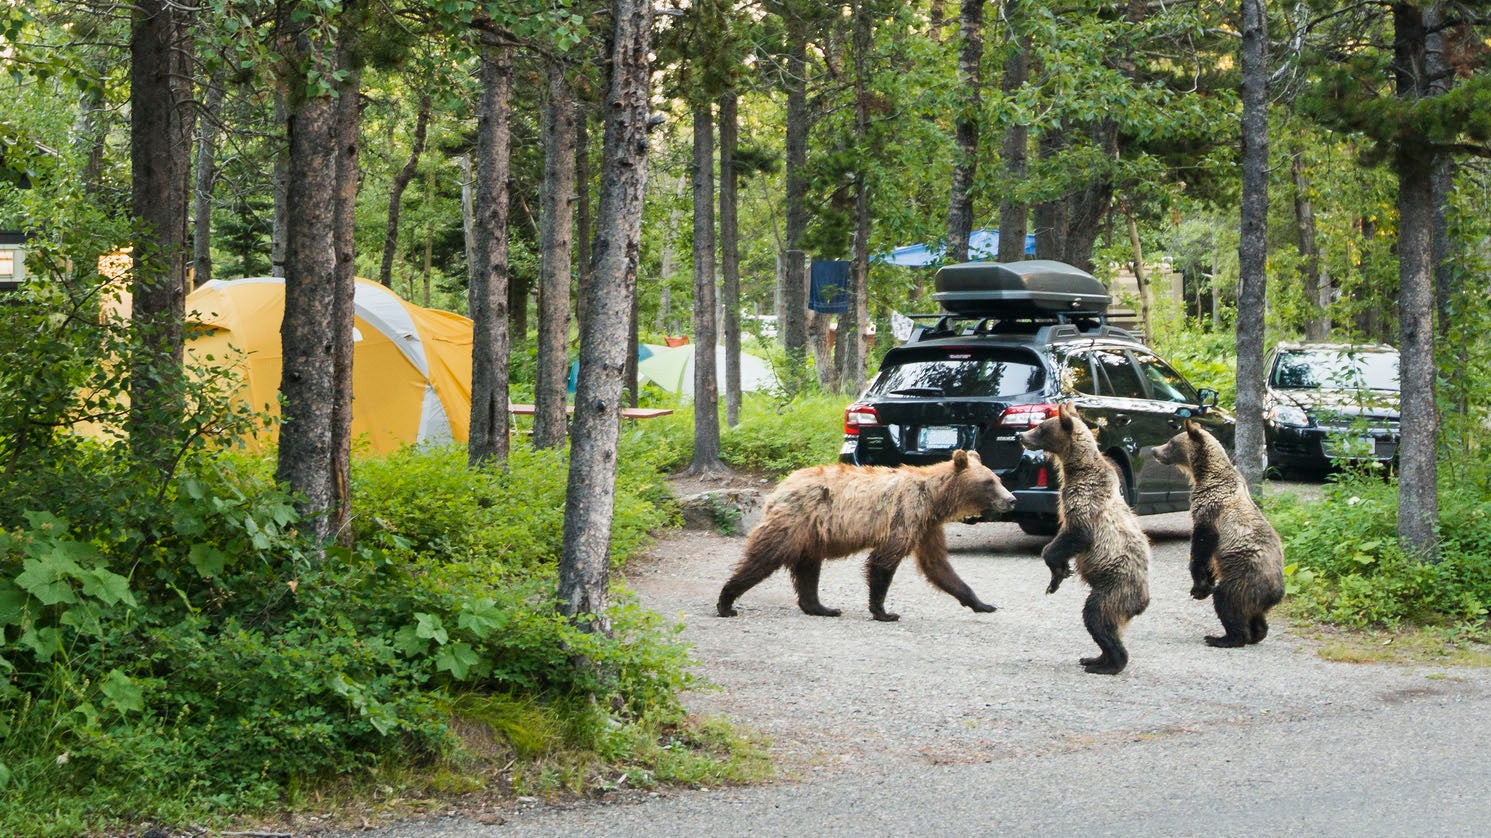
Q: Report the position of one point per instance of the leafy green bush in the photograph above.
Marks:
(1344, 565)
(773, 437)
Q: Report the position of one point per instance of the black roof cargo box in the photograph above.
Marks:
(1035, 288)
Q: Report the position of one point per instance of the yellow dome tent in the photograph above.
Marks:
(411, 366)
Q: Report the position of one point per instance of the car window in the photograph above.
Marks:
(1123, 379)
(1335, 369)
(960, 372)
(1076, 374)
(1165, 384)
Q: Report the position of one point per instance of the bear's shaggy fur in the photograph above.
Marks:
(1097, 529)
(1236, 555)
(827, 512)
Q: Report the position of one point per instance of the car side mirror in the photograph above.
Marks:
(1207, 398)
(1184, 413)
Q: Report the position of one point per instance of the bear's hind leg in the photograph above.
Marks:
(1259, 625)
(1235, 628)
(1104, 627)
(757, 564)
(805, 579)
(880, 568)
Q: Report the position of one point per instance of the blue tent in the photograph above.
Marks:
(982, 245)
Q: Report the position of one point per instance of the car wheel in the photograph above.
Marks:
(1038, 524)
(1125, 483)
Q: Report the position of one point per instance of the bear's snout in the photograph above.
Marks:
(1004, 501)
(1028, 440)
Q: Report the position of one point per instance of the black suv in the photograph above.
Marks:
(1017, 339)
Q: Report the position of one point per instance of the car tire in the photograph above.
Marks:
(1038, 524)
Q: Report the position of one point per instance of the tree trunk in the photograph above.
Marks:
(310, 333)
(1013, 220)
(794, 313)
(1415, 159)
(706, 385)
(965, 127)
(668, 262)
(851, 372)
(396, 190)
(1050, 216)
(1252, 246)
(488, 442)
(590, 497)
(1316, 286)
(206, 175)
(158, 159)
(730, 254)
(1140, 278)
(348, 121)
(583, 232)
(821, 339)
(551, 385)
(279, 235)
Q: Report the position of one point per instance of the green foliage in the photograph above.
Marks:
(1344, 565)
(773, 437)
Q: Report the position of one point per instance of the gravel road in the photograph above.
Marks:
(951, 721)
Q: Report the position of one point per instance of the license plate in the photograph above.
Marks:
(937, 437)
(1351, 448)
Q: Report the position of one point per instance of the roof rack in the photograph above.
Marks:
(1043, 329)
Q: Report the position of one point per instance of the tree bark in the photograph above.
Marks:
(159, 146)
(965, 127)
(1013, 215)
(279, 234)
(1252, 246)
(1415, 159)
(311, 334)
(583, 232)
(851, 372)
(1315, 283)
(551, 385)
(706, 385)
(794, 313)
(488, 442)
(1140, 278)
(396, 190)
(590, 497)
(730, 254)
(348, 116)
(205, 177)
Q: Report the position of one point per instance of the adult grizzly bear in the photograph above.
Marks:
(1236, 555)
(1097, 529)
(827, 512)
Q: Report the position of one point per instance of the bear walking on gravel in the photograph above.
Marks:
(1236, 555)
(1097, 529)
(827, 512)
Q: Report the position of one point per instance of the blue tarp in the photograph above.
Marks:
(982, 245)
(829, 286)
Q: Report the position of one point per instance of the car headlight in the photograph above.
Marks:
(1287, 414)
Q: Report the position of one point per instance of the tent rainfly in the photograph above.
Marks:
(411, 368)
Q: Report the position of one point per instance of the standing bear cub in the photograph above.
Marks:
(1097, 529)
(827, 512)
(1236, 555)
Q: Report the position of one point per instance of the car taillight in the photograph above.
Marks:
(1026, 415)
(1043, 479)
(859, 414)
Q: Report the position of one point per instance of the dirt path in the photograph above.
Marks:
(946, 685)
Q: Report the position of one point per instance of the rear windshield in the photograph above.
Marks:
(959, 373)
(1335, 369)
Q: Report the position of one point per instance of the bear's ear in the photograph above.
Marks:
(960, 460)
(1193, 428)
(1066, 412)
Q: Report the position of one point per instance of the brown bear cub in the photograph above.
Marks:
(1236, 555)
(1097, 529)
(827, 512)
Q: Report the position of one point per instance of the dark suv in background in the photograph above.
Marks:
(1017, 339)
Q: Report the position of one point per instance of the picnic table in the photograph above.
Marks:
(626, 412)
